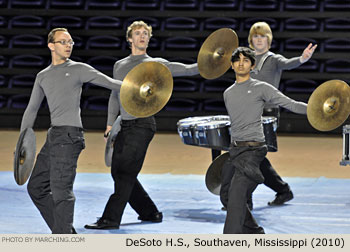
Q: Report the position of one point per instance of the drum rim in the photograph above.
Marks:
(221, 118)
(268, 119)
(217, 125)
(201, 119)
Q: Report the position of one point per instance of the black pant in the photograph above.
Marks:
(272, 179)
(51, 183)
(128, 155)
(247, 176)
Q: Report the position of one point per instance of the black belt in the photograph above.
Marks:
(68, 128)
(248, 143)
(138, 120)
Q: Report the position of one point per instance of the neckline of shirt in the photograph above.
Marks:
(244, 82)
(137, 57)
(61, 65)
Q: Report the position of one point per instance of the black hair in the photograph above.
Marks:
(245, 51)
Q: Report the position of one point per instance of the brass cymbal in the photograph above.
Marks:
(214, 57)
(24, 156)
(213, 175)
(146, 89)
(329, 105)
(110, 141)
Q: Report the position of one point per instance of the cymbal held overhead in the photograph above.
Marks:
(214, 57)
(219, 53)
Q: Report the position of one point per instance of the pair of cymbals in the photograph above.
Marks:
(329, 105)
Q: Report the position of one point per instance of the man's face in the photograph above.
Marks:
(260, 43)
(62, 46)
(242, 66)
(139, 39)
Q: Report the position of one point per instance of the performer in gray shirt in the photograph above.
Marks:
(244, 101)
(134, 137)
(51, 183)
(268, 68)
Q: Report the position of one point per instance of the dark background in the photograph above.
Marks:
(179, 28)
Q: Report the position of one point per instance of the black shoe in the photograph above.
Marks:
(281, 198)
(257, 230)
(73, 231)
(103, 224)
(153, 217)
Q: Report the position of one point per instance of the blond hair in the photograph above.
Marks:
(51, 36)
(137, 25)
(260, 28)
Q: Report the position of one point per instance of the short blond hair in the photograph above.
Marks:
(137, 25)
(51, 36)
(260, 28)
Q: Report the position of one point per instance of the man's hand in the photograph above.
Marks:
(106, 134)
(307, 53)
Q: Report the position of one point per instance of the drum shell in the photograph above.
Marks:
(270, 127)
(214, 134)
(186, 128)
(187, 134)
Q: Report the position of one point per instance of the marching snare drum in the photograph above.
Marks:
(214, 131)
(270, 127)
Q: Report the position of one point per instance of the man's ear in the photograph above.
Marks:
(51, 46)
(253, 66)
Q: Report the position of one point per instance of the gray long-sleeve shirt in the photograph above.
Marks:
(122, 68)
(245, 102)
(272, 68)
(61, 84)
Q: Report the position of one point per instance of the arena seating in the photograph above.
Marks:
(179, 28)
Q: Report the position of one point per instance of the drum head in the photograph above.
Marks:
(194, 120)
(110, 141)
(213, 175)
(213, 125)
(24, 156)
